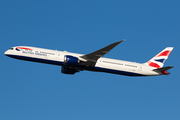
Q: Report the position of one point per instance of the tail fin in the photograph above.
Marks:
(159, 60)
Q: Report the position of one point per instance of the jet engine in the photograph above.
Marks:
(70, 60)
(68, 70)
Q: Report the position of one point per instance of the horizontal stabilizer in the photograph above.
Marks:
(163, 69)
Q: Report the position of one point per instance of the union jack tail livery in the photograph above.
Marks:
(159, 60)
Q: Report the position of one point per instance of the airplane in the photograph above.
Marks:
(72, 62)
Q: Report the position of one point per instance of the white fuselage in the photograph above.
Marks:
(102, 65)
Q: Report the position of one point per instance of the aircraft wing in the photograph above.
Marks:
(91, 58)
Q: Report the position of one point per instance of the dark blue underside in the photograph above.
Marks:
(99, 69)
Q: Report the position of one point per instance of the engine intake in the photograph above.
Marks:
(70, 60)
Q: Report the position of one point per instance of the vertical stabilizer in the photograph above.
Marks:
(159, 60)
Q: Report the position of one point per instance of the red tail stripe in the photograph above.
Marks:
(165, 53)
(154, 65)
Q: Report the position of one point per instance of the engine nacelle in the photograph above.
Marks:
(68, 70)
(70, 60)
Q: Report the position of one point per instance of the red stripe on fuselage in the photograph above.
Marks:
(24, 48)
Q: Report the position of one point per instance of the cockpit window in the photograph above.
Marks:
(11, 48)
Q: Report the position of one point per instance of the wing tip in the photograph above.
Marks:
(171, 66)
(121, 41)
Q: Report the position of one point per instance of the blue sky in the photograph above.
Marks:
(33, 91)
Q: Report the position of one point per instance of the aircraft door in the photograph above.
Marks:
(139, 68)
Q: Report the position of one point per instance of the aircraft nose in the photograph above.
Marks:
(6, 52)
